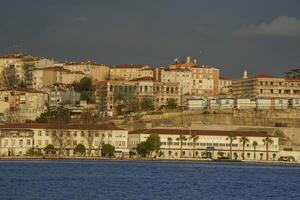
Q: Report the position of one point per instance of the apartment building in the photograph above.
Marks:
(129, 72)
(204, 80)
(160, 93)
(181, 76)
(24, 65)
(62, 95)
(207, 143)
(43, 77)
(98, 72)
(225, 85)
(17, 139)
(266, 86)
(25, 104)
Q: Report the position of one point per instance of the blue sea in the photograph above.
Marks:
(77, 180)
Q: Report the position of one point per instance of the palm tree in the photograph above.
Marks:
(244, 140)
(169, 143)
(195, 138)
(254, 144)
(267, 141)
(231, 138)
(181, 138)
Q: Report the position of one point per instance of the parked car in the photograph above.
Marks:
(287, 158)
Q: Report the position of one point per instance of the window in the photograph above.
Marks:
(20, 142)
(28, 141)
(47, 133)
(40, 133)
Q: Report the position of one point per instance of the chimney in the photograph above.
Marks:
(195, 61)
(245, 76)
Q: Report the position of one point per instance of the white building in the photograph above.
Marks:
(294, 103)
(197, 103)
(226, 103)
(207, 143)
(17, 139)
(245, 103)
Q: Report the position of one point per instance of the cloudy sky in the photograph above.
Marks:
(262, 36)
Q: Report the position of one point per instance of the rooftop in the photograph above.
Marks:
(130, 66)
(168, 131)
(104, 126)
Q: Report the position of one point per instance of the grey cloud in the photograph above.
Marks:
(280, 26)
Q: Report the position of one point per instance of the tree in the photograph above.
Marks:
(169, 144)
(88, 96)
(293, 73)
(9, 77)
(86, 89)
(231, 138)
(49, 148)
(171, 103)
(80, 148)
(59, 122)
(147, 104)
(143, 149)
(108, 150)
(267, 141)
(181, 138)
(244, 140)
(194, 138)
(51, 115)
(88, 123)
(254, 144)
(153, 143)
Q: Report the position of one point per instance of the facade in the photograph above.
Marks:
(181, 76)
(204, 79)
(17, 139)
(111, 92)
(266, 86)
(59, 96)
(197, 103)
(245, 103)
(24, 65)
(44, 77)
(24, 104)
(208, 143)
(71, 77)
(225, 86)
(129, 72)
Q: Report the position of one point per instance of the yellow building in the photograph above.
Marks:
(129, 72)
(204, 80)
(182, 143)
(141, 88)
(17, 139)
(24, 104)
(266, 86)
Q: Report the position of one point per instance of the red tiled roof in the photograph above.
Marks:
(288, 79)
(105, 126)
(25, 90)
(201, 132)
(130, 66)
(56, 69)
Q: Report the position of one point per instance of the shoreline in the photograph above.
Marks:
(145, 159)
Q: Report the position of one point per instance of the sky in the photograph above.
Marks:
(260, 36)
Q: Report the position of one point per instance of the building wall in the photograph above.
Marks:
(71, 137)
(266, 87)
(219, 143)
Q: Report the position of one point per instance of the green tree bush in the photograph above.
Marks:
(108, 150)
(80, 148)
